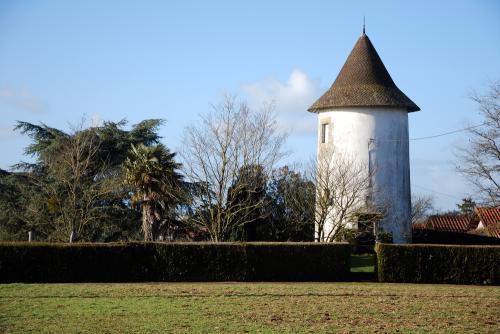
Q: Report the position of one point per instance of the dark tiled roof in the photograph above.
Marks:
(450, 223)
(363, 81)
(490, 217)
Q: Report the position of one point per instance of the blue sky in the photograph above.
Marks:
(109, 60)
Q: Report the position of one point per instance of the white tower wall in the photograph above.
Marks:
(378, 139)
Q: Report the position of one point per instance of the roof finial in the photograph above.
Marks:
(363, 24)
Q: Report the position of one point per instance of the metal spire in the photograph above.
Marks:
(363, 24)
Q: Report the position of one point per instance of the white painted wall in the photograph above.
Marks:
(384, 131)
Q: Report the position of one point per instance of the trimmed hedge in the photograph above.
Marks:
(143, 262)
(298, 261)
(438, 264)
(451, 238)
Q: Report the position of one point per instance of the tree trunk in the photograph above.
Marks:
(147, 222)
(155, 224)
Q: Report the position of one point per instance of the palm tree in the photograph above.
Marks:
(157, 186)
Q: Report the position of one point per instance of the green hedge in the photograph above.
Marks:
(438, 264)
(135, 262)
(425, 236)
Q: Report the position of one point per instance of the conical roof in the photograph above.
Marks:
(363, 81)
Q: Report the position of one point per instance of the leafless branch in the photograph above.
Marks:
(342, 185)
(480, 159)
(229, 139)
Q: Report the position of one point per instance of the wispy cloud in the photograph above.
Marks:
(292, 98)
(22, 99)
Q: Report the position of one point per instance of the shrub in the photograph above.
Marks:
(385, 237)
(438, 264)
(298, 261)
(451, 238)
(132, 262)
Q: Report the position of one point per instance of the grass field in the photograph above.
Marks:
(364, 263)
(248, 307)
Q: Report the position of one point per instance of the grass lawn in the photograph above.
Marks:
(248, 307)
(363, 263)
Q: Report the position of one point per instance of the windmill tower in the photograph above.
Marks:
(364, 115)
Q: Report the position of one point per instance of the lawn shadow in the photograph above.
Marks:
(363, 267)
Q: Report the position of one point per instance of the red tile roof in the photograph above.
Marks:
(450, 223)
(490, 217)
(418, 226)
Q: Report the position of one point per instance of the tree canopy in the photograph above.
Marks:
(72, 191)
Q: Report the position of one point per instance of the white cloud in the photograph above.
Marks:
(21, 99)
(292, 98)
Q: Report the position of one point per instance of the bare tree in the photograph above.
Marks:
(421, 208)
(480, 160)
(342, 188)
(230, 142)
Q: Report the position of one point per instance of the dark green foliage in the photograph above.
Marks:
(131, 262)
(467, 206)
(201, 262)
(384, 237)
(41, 262)
(451, 238)
(247, 198)
(438, 264)
(157, 187)
(23, 207)
(298, 261)
(74, 185)
(11, 228)
(291, 200)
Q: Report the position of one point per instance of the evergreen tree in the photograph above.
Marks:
(73, 189)
(467, 206)
(156, 186)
